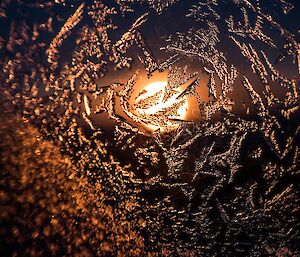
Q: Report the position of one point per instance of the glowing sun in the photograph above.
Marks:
(159, 106)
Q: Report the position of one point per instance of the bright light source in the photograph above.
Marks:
(150, 104)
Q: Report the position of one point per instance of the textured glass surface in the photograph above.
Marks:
(149, 128)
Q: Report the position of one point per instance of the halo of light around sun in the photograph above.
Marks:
(150, 103)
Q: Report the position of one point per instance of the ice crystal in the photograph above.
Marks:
(107, 167)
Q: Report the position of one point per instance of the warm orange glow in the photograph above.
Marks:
(158, 106)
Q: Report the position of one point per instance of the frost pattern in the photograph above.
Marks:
(221, 184)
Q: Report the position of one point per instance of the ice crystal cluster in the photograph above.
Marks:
(220, 182)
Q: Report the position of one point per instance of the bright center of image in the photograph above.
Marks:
(160, 107)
